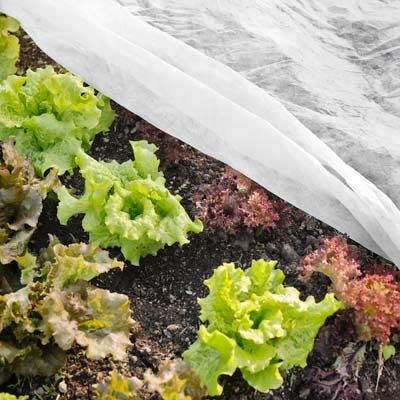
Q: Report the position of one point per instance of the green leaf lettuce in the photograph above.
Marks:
(256, 324)
(127, 205)
(52, 116)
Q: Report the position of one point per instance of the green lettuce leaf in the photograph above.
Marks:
(175, 380)
(27, 265)
(7, 396)
(78, 261)
(9, 46)
(51, 116)
(128, 205)
(212, 355)
(118, 387)
(256, 324)
(94, 318)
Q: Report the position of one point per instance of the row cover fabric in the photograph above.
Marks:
(302, 96)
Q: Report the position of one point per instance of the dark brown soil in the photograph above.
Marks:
(164, 289)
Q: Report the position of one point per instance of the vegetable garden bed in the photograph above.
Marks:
(163, 290)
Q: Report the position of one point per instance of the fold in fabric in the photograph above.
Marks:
(135, 52)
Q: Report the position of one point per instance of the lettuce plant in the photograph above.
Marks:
(254, 323)
(9, 46)
(127, 205)
(59, 308)
(335, 260)
(175, 380)
(374, 298)
(52, 116)
(234, 202)
(21, 195)
(259, 211)
(219, 206)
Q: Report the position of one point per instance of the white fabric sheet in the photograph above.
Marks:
(301, 96)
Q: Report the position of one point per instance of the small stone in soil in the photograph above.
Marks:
(288, 253)
(174, 327)
(62, 387)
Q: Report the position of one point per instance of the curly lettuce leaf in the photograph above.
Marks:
(21, 195)
(59, 308)
(212, 355)
(127, 205)
(8, 396)
(78, 261)
(21, 350)
(13, 244)
(9, 46)
(39, 361)
(94, 318)
(52, 116)
(175, 380)
(256, 324)
(28, 267)
(118, 387)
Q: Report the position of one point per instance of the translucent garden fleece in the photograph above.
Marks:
(135, 267)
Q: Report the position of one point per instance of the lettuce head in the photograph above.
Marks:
(127, 205)
(51, 116)
(254, 323)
